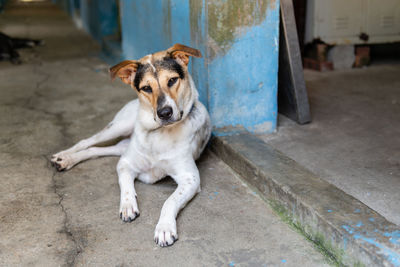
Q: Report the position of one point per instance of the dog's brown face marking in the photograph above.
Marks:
(159, 78)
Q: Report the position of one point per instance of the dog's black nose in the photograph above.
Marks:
(165, 113)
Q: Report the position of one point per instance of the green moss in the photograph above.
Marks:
(332, 255)
(226, 20)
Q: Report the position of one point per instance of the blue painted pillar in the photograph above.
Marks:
(74, 7)
(99, 17)
(237, 76)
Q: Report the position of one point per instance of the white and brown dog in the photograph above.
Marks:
(166, 130)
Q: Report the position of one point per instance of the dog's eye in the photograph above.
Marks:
(147, 89)
(172, 81)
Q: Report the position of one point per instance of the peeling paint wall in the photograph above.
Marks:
(243, 45)
(228, 20)
(237, 76)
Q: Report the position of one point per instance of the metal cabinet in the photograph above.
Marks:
(353, 22)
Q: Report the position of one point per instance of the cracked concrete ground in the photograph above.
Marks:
(62, 93)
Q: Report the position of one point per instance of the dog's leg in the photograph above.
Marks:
(70, 160)
(112, 131)
(188, 185)
(122, 125)
(128, 208)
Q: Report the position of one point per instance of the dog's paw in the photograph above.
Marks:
(58, 155)
(128, 210)
(62, 162)
(165, 234)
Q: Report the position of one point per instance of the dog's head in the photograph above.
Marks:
(162, 82)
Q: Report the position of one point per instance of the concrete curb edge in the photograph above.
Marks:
(351, 232)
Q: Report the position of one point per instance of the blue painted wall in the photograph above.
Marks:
(100, 18)
(242, 72)
(74, 6)
(237, 76)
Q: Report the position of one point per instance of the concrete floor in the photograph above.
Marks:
(353, 140)
(62, 93)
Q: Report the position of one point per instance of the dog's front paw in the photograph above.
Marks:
(165, 234)
(128, 210)
(62, 162)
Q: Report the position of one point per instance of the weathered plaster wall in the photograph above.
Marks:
(243, 54)
(237, 76)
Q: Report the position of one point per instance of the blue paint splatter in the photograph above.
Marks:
(389, 254)
(216, 193)
(392, 256)
(371, 219)
(359, 224)
(232, 263)
(394, 237)
(349, 229)
(329, 210)
(283, 261)
(254, 193)
(357, 211)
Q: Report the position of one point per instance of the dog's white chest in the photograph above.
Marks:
(162, 145)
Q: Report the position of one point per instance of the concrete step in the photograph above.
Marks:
(348, 230)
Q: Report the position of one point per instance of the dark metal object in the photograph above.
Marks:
(292, 93)
(299, 8)
(363, 36)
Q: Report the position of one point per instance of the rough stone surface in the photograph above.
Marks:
(61, 94)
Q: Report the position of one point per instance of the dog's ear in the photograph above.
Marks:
(126, 71)
(181, 53)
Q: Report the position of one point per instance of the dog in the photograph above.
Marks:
(165, 130)
(9, 46)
